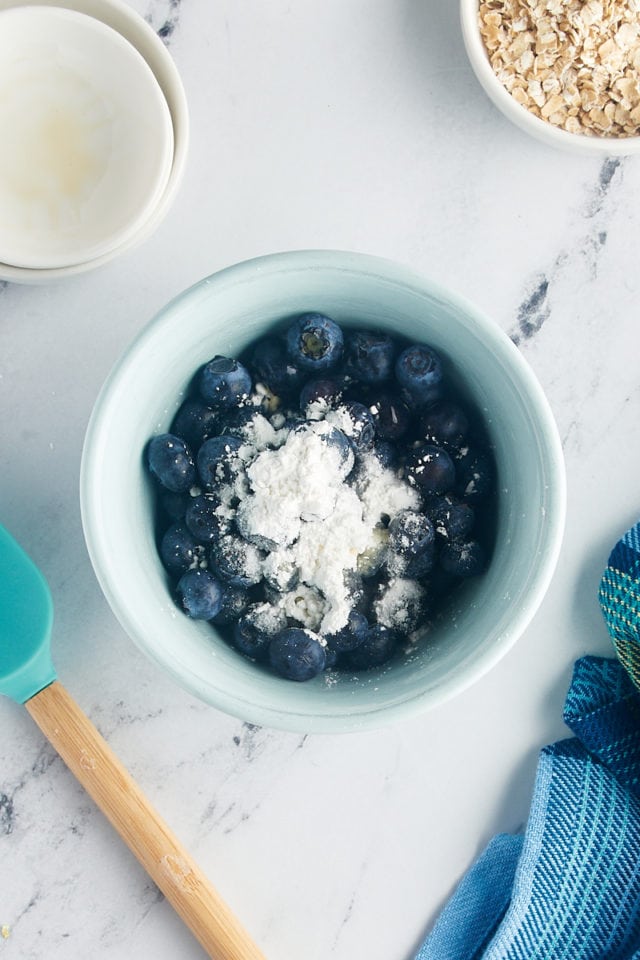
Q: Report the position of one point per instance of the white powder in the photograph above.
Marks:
(279, 570)
(396, 607)
(304, 605)
(260, 434)
(242, 557)
(383, 494)
(297, 482)
(325, 550)
(267, 617)
(296, 502)
(340, 418)
(317, 409)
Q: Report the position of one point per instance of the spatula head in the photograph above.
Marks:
(26, 615)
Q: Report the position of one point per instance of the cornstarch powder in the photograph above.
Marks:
(309, 524)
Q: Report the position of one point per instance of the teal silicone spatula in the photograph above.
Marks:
(27, 676)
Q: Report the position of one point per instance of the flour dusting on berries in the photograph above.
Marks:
(319, 496)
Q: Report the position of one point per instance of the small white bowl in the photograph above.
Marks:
(88, 139)
(131, 26)
(519, 115)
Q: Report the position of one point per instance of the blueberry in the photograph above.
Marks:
(369, 355)
(195, 422)
(203, 519)
(360, 427)
(249, 639)
(325, 391)
(451, 518)
(236, 420)
(236, 561)
(386, 453)
(444, 423)
(314, 342)
(174, 504)
(294, 421)
(412, 541)
(439, 584)
(410, 533)
(415, 568)
(474, 474)
(330, 658)
(360, 591)
(218, 460)
(235, 601)
(463, 559)
(199, 594)
(171, 463)
(355, 389)
(273, 367)
(223, 382)
(179, 549)
(351, 635)
(297, 654)
(391, 416)
(430, 469)
(416, 614)
(378, 646)
(406, 609)
(339, 441)
(280, 572)
(418, 370)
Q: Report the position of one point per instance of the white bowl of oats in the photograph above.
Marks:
(565, 71)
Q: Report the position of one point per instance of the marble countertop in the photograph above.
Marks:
(356, 126)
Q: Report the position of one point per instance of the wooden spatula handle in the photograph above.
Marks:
(100, 772)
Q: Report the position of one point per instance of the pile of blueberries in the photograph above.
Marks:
(402, 409)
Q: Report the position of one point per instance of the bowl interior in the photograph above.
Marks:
(223, 314)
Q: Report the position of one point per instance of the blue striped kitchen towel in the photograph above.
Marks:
(569, 889)
(620, 600)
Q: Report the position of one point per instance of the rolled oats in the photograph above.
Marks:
(573, 63)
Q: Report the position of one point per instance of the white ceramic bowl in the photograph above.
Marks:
(519, 115)
(88, 144)
(120, 17)
(222, 315)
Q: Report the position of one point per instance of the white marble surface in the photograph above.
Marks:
(354, 125)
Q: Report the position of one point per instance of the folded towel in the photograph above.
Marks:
(620, 600)
(471, 917)
(570, 888)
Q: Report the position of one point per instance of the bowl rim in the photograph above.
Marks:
(518, 114)
(122, 18)
(277, 716)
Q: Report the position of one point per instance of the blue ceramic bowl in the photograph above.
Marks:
(224, 313)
